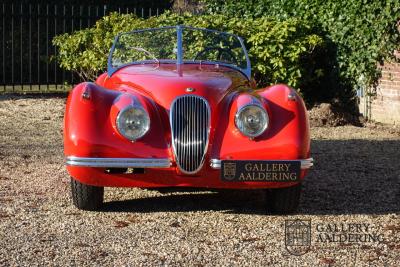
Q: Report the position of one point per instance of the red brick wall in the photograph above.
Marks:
(386, 106)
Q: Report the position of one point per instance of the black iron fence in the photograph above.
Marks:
(28, 27)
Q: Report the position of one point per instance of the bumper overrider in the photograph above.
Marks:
(149, 163)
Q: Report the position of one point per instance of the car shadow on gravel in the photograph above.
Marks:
(349, 177)
(230, 201)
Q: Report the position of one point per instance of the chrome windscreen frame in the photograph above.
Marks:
(246, 71)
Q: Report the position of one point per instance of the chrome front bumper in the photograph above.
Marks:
(147, 163)
(305, 163)
(118, 162)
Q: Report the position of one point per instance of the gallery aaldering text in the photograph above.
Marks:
(347, 232)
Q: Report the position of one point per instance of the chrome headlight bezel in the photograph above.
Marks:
(239, 123)
(119, 123)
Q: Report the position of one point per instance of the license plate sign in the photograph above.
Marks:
(260, 171)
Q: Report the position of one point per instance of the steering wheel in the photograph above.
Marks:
(220, 50)
(145, 52)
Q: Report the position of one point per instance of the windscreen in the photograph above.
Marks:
(212, 46)
(181, 45)
(150, 45)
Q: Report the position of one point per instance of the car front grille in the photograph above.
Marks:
(190, 124)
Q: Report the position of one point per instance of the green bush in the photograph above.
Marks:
(277, 49)
(85, 51)
(361, 33)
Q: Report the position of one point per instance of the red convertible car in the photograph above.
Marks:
(177, 108)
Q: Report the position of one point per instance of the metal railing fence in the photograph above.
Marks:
(27, 30)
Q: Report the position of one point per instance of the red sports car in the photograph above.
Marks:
(177, 108)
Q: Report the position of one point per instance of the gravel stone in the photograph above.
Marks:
(356, 179)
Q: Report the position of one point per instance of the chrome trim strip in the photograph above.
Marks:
(292, 96)
(305, 163)
(118, 162)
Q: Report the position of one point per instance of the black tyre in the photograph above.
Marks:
(283, 200)
(86, 197)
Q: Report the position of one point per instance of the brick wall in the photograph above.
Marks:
(385, 106)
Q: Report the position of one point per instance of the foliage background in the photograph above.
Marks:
(324, 48)
(361, 33)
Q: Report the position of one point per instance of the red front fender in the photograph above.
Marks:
(89, 131)
(287, 136)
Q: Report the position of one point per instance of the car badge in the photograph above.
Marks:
(229, 170)
(190, 89)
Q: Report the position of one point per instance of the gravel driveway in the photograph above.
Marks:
(350, 206)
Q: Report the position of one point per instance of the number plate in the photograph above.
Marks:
(260, 171)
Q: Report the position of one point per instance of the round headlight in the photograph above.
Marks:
(133, 122)
(252, 120)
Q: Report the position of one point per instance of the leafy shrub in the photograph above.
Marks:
(85, 51)
(277, 49)
(362, 33)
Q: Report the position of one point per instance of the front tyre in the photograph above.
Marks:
(284, 200)
(86, 197)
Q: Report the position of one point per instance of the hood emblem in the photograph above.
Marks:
(190, 89)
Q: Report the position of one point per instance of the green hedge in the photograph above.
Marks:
(280, 51)
(361, 33)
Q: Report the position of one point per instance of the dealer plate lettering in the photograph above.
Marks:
(260, 171)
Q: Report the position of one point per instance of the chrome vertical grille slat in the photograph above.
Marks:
(190, 124)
